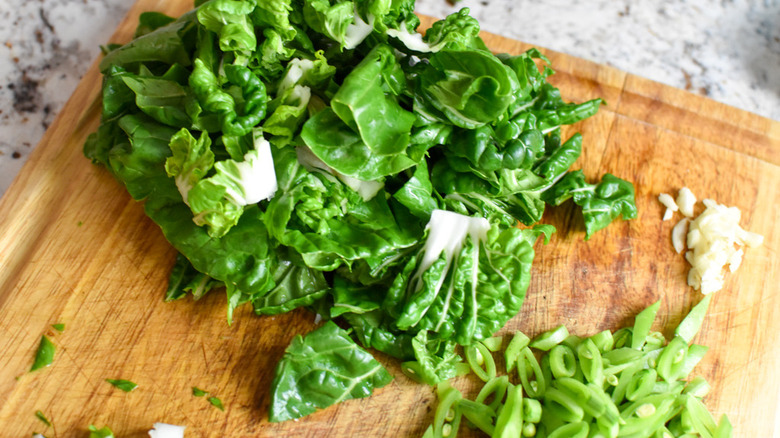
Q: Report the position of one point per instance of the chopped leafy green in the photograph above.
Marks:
(601, 203)
(468, 279)
(60, 327)
(44, 356)
(197, 392)
(470, 87)
(323, 368)
(39, 415)
(184, 278)
(327, 155)
(435, 360)
(216, 402)
(103, 432)
(124, 385)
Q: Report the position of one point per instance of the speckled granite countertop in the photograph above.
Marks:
(727, 50)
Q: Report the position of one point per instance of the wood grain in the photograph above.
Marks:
(75, 249)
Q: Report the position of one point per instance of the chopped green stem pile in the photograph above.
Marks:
(630, 383)
(323, 154)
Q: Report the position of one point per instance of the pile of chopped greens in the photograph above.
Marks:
(322, 154)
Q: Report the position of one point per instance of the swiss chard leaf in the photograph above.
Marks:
(327, 223)
(468, 280)
(435, 360)
(351, 297)
(241, 258)
(296, 285)
(417, 193)
(164, 44)
(471, 87)
(366, 102)
(341, 148)
(184, 278)
(139, 163)
(365, 133)
(276, 15)
(322, 369)
(191, 160)
(457, 31)
(373, 330)
(150, 21)
(219, 200)
(164, 100)
(601, 203)
(229, 19)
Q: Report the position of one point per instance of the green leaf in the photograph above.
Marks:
(435, 360)
(238, 114)
(165, 44)
(516, 195)
(60, 327)
(601, 203)
(365, 133)
(442, 294)
(197, 392)
(373, 330)
(239, 259)
(329, 224)
(124, 385)
(150, 21)
(336, 21)
(164, 100)
(229, 19)
(39, 415)
(184, 278)
(341, 148)
(417, 193)
(458, 30)
(276, 15)
(486, 151)
(366, 102)
(297, 285)
(350, 297)
(471, 87)
(217, 403)
(191, 160)
(218, 201)
(45, 354)
(103, 432)
(139, 162)
(324, 368)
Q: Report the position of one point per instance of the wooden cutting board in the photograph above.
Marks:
(75, 249)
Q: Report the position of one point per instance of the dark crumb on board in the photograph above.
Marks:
(16, 155)
(26, 94)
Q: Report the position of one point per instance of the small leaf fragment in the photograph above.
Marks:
(43, 418)
(103, 432)
(45, 354)
(124, 385)
(217, 403)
